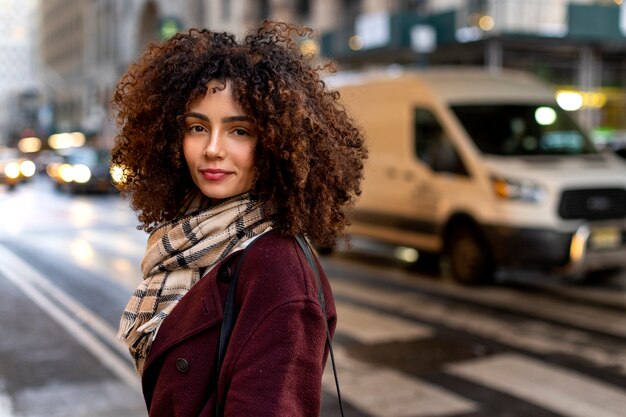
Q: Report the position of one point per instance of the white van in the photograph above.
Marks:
(487, 169)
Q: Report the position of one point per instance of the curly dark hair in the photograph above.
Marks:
(310, 153)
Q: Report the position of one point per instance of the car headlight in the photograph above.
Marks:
(12, 170)
(27, 168)
(52, 169)
(521, 190)
(81, 173)
(66, 172)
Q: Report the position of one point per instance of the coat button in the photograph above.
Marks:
(225, 274)
(182, 365)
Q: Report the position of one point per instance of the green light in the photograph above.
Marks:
(169, 27)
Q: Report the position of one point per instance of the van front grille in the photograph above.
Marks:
(593, 204)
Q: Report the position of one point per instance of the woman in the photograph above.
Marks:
(227, 144)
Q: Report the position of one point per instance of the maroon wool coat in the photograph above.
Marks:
(277, 351)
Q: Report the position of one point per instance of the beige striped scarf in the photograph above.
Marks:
(176, 254)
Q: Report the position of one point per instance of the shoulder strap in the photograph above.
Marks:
(320, 296)
(230, 317)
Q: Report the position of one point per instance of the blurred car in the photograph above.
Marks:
(14, 167)
(45, 158)
(83, 169)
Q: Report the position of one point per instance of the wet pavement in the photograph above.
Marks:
(44, 372)
(408, 344)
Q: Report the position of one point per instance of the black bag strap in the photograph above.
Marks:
(230, 316)
(320, 296)
(228, 322)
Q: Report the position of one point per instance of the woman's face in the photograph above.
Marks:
(219, 143)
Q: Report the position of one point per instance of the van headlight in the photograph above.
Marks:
(520, 190)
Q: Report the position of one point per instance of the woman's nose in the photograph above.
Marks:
(214, 146)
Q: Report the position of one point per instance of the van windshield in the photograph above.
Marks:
(514, 129)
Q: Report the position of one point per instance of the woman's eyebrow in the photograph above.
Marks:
(229, 119)
(197, 116)
(236, 119)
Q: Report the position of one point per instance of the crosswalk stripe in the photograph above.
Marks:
(530, 334)
(367, 326)
(600, 295)
(560, 390)
(588, 317)
(378, 391)
(592, 318)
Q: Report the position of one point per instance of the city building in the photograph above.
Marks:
(18, 67)
(577, 45)
(63, 44)
(87, 44)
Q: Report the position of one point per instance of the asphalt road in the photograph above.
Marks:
(408, 344)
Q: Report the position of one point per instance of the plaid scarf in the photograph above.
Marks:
(176, 254)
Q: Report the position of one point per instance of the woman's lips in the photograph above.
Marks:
(214, 174)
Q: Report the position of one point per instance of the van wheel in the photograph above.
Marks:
(470, 258)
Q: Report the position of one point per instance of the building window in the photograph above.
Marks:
(149, 24)
(351, 9)
(413, 5)
(200, 12)
(264, 9)
(476, 6)
(475, 9)
(226, 9)
(303, 9)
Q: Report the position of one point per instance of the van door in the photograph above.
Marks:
(384, 211)
(446, 176)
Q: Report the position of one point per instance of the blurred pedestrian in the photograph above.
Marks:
(233, 147)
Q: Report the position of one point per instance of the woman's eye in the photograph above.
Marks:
(196, 128)
(240, 132)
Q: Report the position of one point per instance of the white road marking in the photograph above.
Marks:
(588, 317)
(533, 335)
(367, 326)
(560, 390)
(378, 391)
(41, 291)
